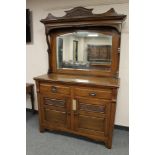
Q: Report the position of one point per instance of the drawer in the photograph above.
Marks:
(93, 93)
(54, 88)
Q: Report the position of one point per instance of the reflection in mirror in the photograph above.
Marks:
(84, 50)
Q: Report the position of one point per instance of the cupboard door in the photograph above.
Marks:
(56, 111)
(92, 116)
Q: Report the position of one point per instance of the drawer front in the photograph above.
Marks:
(94, 93)
(54, 89)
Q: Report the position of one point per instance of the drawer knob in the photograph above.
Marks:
(54, 89)
(92, 94)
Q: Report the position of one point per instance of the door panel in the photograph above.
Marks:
(92, 123)
(55, 117)
(92, 116)
(56, 111)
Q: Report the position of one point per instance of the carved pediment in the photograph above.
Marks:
(81, 12)
(50, 16)
(110, 12)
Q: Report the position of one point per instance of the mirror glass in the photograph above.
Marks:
(84, 50)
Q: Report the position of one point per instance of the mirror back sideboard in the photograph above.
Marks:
(78, 94)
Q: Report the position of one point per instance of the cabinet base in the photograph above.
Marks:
(105, 140)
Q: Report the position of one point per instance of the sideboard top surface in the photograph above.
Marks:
(78, 79)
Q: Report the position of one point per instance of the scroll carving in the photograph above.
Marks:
(48, 44)
(54, 102)
(49, 52)
(50, 16)
(79, 11)
(110, 12)
(82, 12)
(94, 108)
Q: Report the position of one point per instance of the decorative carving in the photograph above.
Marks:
(48, 44)
(110, 12)
(94, 108)
(81, 12)
(50, 16)
(54, 102)
(49, 52)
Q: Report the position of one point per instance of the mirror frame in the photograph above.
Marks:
(115, 53)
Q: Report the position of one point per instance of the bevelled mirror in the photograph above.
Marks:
(85, 50)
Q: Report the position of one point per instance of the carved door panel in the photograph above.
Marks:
(56, 111)
(92, 116)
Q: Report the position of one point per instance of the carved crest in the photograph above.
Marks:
(110, 12)
(50, 16)
(81, 12)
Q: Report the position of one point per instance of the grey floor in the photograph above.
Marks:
(49, 143)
